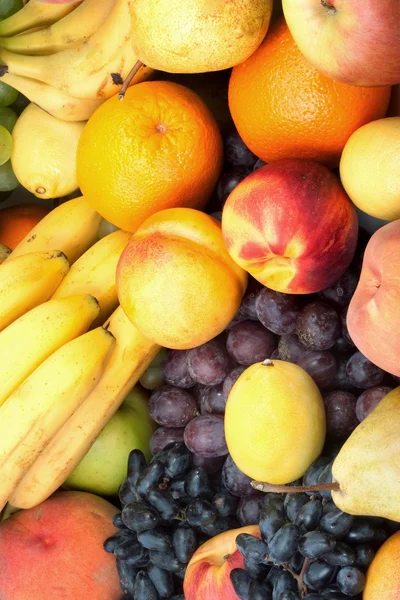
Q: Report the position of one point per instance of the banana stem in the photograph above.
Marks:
(138, 65)
(3, 70)
(292, 489)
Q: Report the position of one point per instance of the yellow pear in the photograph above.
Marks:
(44, 153)
(196, 36)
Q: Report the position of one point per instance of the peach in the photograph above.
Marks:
(373, 316)
(176, 281)
(207, 574)
(55, 550)
(291, 225)
(383, 575)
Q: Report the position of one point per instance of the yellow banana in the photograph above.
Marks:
(94, 273)
(72, 228)
(27, 342)
(34, 413)
(27, 281)
(76, 27)
(132, 354)
(35, 14)
(4, 253)
(94, 69)
(54, 101)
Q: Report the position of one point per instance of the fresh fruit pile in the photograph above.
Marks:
(196, 325)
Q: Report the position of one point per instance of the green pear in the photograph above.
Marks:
(103, 469)
(367, 468)
(197, 36)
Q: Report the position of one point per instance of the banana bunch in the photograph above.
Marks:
(68, 58)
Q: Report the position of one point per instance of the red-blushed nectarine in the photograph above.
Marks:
(383, 575)
(291, 225)
(373, 316)
(55, 551)
(207, 574)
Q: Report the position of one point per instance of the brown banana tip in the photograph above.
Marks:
(3, 70)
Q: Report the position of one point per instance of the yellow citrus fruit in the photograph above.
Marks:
(159, 148)
(274, 422)
(370, 168)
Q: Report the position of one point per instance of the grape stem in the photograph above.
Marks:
(300, 577)
(292, 489)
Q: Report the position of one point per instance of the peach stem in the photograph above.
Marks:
(138, 64)
(292, 489)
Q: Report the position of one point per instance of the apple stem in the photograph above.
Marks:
(138, 65)
(292, 489)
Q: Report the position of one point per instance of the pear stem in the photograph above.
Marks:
(292, 489)
(138, 65)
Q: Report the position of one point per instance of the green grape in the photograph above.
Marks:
(9, 7)
(152, 378)
(8, 118)
(21, 103)
(8, 95)
(8, 181)
(5, 145)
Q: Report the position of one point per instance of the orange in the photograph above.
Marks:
(284, 108)
(159, 148)
(17, 221)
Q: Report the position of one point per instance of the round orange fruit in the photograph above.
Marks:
(17, 221)
(158, 148)
(284, 108)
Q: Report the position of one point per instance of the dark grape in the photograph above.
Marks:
(249, 342)
(314, 544)
(126, 494)
(117, 521)
(320, 365)
(164, 436)
(175, 369)
(341, 292)
(350, 581)
(236, 152)
(290, 348)
(144, 588)
(364, 555)
(325, 476)
(200, 512)
(167, 561)
(340, 409)
(260, 590)
(318, 326)
(231, 379)
(381, 535)
(293, 504)
(138, 516)
(241, 581)
(318, 575)
(277, 501)
(277, 312)
(197, 483)
(249, 509)
(283, 582)
(345, 331)
(229, 179)
(283, 545)
(310, 515)
(341, 381)
(342, 555)
(212, 400)
(369, 399)
(225, 503)
(361, 531)
(205, 436)
(184, 542)
(235, 481)
(209, 363)
(210, 465)
(219, 526)
(149, 477)
(313, 472)
(136, 464)
(336, 522)
(130, 551)
(342, 345)
(271, 521)
(162, 581)
(172, 407)
(260, 163)
(127, 574)
(155, 539)
(121, 536)
(362, 373)
(248, 305)
(251, 547)
(164, 503)
(177, 489)
(178, 460)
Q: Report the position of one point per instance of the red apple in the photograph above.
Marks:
(357, 42)
(373, 316)
(55, 551)
(291, 225)
(207, 574)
